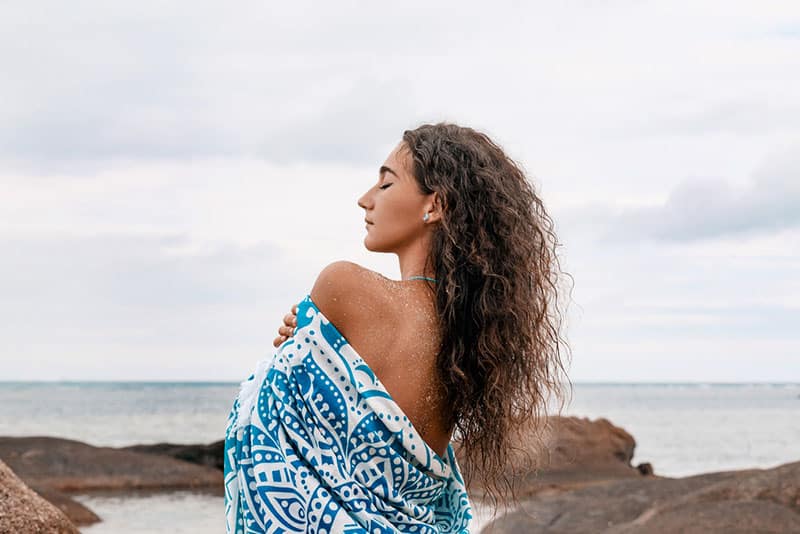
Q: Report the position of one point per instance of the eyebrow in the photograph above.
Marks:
(384, 169)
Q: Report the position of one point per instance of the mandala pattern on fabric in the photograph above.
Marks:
(316, 444)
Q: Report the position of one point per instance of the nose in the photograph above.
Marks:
(365, 202)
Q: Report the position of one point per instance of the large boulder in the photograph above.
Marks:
(22, 511)
(568, 452)
(746, 501)
(580, 449)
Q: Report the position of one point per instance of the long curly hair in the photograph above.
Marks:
(494, 255)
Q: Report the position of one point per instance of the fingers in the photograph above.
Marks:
(290, 319)
(285, 333)
(287, 330)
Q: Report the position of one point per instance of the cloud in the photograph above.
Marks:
(323, 83)
(84, 298)
(102, 83)
(743, 115)
(346, 127)
(703, 209)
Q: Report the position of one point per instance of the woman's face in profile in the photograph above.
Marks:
(394, 206)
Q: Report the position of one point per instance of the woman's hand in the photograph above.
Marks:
(287, 330)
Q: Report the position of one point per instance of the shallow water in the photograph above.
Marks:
(151, 512)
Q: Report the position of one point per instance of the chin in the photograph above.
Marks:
(372, 247)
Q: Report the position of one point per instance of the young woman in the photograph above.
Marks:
(466, 345)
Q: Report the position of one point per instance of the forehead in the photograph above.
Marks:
(399, 160)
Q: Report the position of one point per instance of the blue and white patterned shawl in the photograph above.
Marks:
(316, 444)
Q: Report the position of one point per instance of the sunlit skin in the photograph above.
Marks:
(392, 324)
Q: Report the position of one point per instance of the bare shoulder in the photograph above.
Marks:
(345, 280)
(347, 294)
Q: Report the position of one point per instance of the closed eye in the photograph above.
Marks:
(384, 186)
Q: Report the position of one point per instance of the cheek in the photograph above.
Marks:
(405, 208)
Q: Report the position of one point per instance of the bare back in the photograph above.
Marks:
(393, 326)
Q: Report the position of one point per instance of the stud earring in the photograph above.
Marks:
(426, 217)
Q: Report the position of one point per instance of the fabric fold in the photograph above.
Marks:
(316, 444)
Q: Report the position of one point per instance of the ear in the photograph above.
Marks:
(434, 207)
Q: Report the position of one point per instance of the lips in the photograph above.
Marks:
(367, 221)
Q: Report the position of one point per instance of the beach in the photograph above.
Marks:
(680, 429)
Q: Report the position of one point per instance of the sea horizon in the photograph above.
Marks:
(682, 428)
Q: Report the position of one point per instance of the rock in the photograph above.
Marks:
(580, 448)
(752, 500)
(72, 466)
(572, 452)
(210, 455)
(22, 511)
(645, 468)
(79, 514)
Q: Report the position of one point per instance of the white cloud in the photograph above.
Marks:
(76, 301)
(707, 209)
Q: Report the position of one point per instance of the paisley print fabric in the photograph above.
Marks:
(316, 444)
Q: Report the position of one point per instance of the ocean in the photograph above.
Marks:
(681, 429)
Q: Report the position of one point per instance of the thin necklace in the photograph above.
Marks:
(422, 278)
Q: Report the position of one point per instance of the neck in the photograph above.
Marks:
(412, 260)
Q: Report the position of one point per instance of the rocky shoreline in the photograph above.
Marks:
(578, 479)
(55, 468)
(586, 484)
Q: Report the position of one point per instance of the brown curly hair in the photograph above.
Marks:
(494, 256)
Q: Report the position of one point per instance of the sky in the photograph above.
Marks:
(173, 176)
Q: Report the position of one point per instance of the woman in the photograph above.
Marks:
(348, 427)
